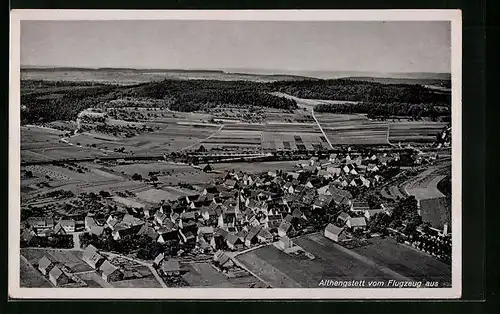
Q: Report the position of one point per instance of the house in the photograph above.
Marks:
(122, 229)
(359, 207)
(58, 277)
(342, 218)
(45, 265)
(230, 184)
(59, 230)
(92, 257)
(334, 171)
(264, 236)
(27, 235)
(206, 232)
(334, 233)
(149, 231)
(158, 259)
(233, 242)
(222, 260)
(67, 225)
(186, 236)
(314, 183)
(218, 241)
(149, 212)
(160, 218)
(371, 212)
(285, 243)
(251, 237)
(211, 189)
(166, 234)
(207, 168)
(110, 272)
(96, 230)
(356, 223)
(170, 267)
(41, 223)
(112, 222)
(89, 222)
(284, 227)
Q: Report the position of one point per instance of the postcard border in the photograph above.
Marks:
(15, 291)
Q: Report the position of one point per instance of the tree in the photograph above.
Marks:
(136, 177)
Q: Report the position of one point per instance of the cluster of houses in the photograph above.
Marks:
(55, 272)
(47, 226)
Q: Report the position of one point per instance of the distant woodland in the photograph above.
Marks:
(43, 101)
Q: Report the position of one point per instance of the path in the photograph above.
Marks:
(319, 125)
(148, 265)
(76, 241)
(202, 140)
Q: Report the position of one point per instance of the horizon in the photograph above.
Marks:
(282, 46)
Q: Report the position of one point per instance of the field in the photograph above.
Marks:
(282, 270)
(424, 185)
(147, 282)
(344, 129)
(155, 196)
(72, 259)
(204, 275)
(130, 76)
(31, 277)
(381, 260)
(414, 131)
(406, 260)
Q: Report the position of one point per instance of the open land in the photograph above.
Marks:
(122, 148)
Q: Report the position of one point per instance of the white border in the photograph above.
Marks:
(454, 16)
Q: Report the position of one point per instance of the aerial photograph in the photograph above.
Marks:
(235, 154)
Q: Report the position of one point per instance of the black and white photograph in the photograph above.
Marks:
(287, 154)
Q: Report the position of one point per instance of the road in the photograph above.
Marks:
(150, 266)
(319, 125)
(202, 140)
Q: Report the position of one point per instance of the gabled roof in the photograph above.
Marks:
(344, 216)
(107, 268)
(265, 234)
(56, 273)
(285, 225)
(357, 221)
(44, 262)
(334, 229)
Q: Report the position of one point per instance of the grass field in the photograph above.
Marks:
(204, 275)
(406, 260)
(415, 131)
(282, 270)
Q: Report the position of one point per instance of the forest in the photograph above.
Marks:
(43, 102)
(386, 109)
(370, 92)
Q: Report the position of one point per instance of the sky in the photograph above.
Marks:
(287, 45)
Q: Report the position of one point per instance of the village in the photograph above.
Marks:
(240, 212)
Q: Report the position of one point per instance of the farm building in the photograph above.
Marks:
(334, 233)
(67, 225)
(40, 223)
(58, 277)
(359, 207)
(285, 243)
(45, 265)
(284, 227)
(343, 217)
(110, 272)
(356, 223)
(92, 257)
(158, 259)
(170, 267)
(221, 259)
